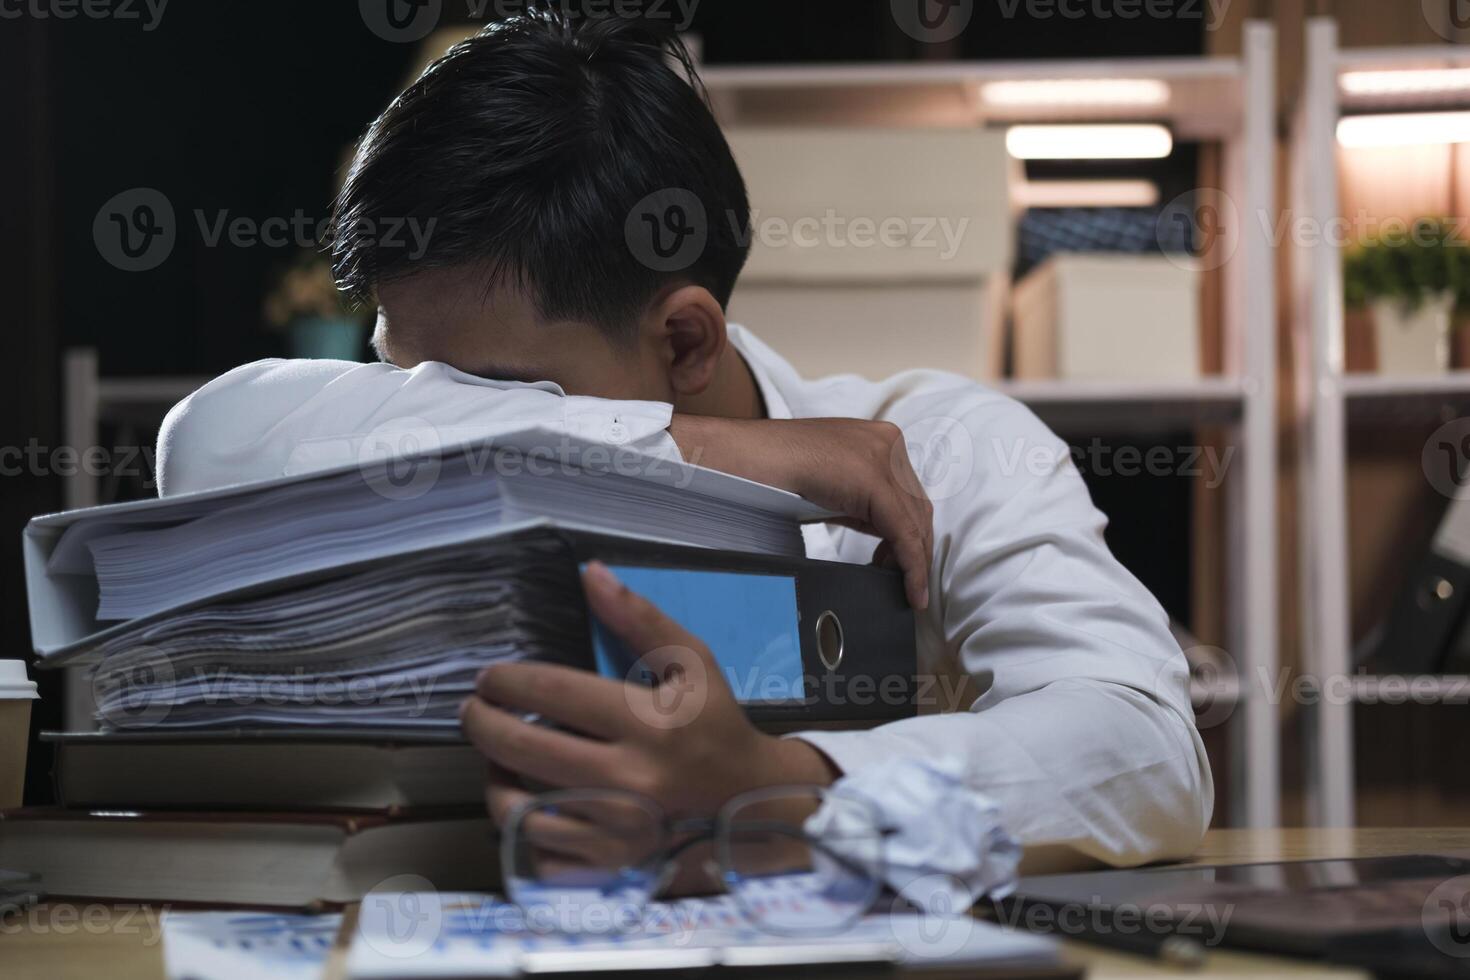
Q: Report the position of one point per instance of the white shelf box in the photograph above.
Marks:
(1114, 318)
(863, 235)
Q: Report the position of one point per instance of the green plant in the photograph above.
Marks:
(306, 289)
(1426, 258)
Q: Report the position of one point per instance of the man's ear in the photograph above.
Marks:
(689, 326)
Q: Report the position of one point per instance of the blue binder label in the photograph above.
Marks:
(748, 621)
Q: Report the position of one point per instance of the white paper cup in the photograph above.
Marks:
(17, 691)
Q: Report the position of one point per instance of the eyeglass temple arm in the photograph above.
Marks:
(705, 830)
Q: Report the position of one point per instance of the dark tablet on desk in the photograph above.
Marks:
(1303, 908)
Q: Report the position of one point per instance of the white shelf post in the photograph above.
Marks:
(1318, 337)
(80, 490)
(1250, 320)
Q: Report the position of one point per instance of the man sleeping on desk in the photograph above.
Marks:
(529, 146)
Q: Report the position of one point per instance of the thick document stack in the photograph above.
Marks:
(88, 568)
(397, 642)
(370, 596)
(278, 667)
(287, 654)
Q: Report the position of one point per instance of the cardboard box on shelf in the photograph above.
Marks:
(1107, 317)
(877, 250)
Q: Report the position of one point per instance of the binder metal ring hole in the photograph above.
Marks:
(830, 642)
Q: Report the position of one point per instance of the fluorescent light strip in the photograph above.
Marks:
(1087, 194)
(1138, 142)
(1126, 92)
(1404, 129)
(1419, 82)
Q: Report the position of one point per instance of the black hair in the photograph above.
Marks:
(530, 146)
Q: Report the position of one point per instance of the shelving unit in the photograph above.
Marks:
(1125, 407)
(91, 400)
(1329, 399)
(1207, 99)
(1230, 101)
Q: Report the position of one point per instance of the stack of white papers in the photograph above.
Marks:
(234, 945)
(190, 549)
(445, 935)
(397, 644)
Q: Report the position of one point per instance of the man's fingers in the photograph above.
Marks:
(590, 830)
(904, 532)
(576, 698)
(683, 669)
(909, 554)
(907, 533)
(502, 795)
(654, 637)
(540, 753)
(546, 831)
(916, 504)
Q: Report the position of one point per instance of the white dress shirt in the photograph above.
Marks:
(1083, 730)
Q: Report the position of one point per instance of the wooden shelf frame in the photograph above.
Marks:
(1329, 399)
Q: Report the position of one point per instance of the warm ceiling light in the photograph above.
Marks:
(1404, 129)
(1087, 194)
(1421, 82)
(1130, 92)
(1089, 142)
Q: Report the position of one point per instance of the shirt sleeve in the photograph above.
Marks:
(278, 418)
(1084, 734)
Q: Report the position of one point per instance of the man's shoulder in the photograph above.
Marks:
(279, 372)
(229, 416)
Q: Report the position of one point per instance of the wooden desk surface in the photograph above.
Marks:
(66, 942)
(1251, 846)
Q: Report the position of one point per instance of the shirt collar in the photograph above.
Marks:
(763, 363)
(474, 379)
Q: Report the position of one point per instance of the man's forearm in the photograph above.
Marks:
(858, 468)
(742, 447)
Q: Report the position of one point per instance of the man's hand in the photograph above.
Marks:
(684, 743)
(858, 468)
